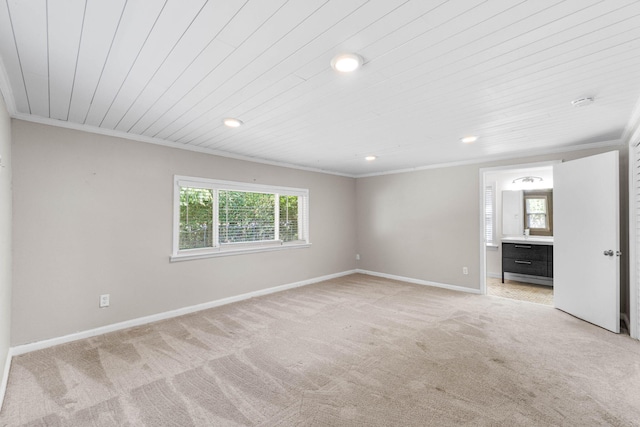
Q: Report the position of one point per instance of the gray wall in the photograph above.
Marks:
(422, 225)
(93, 215)
(5, 235)
(426, 224)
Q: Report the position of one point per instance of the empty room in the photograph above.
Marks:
(319, 212)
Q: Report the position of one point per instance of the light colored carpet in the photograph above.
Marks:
(512, 289)
(355, 351)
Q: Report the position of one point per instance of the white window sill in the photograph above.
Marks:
(219, 252)
(493, 246)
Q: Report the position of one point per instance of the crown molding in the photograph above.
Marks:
(509, 156)
(165, 143)
(171, 144)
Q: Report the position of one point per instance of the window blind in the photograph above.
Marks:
(215, 217)
(289, 227)
(489, 213)
(245, 216)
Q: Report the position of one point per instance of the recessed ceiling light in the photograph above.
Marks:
(370, 158)
(232, 123)
(346, 62)
(469, 139)
(582, 102)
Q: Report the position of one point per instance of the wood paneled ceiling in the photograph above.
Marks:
(169, 71)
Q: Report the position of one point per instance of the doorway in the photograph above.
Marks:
(505, 214)
(519, 290)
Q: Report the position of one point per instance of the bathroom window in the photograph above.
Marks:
(538, 212)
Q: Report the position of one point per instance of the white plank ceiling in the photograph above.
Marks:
(169, 71)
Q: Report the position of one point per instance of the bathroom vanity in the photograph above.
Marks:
(531, 256)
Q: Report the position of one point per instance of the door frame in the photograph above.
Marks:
(634, 263)
(483, 172)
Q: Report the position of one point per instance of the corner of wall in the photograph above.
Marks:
(4, 380)
(6, 248)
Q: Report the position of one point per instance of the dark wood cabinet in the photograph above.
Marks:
(527, 258)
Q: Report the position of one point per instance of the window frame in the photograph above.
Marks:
(547, 195)
(236, 248)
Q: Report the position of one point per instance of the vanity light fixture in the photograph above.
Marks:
(528, 179)
(346, 62)
(469, 139)
(370, 158)
(232, 123)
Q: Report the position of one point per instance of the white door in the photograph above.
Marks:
(586, 220)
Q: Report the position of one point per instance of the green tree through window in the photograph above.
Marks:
(196, 218)
(214, 217)
(245, 217)
(288, 218)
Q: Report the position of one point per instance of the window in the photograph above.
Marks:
(213, 218)
(538, 212)
(490, 214)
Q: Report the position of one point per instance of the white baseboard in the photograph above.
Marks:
(420, 282)
(26, 348)
(5, 377)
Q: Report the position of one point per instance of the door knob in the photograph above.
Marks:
(608, 253)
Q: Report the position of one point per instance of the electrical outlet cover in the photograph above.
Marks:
(104, 300)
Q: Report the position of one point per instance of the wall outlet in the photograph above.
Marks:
(357, 257)
(104, 301)
(465, 270)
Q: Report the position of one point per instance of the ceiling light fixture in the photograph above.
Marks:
(232, 123)
(582, 102)
(346, 62)
(370, 158)
(469, 139)
(527, 179)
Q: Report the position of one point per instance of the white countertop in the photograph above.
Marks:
(533, 240)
